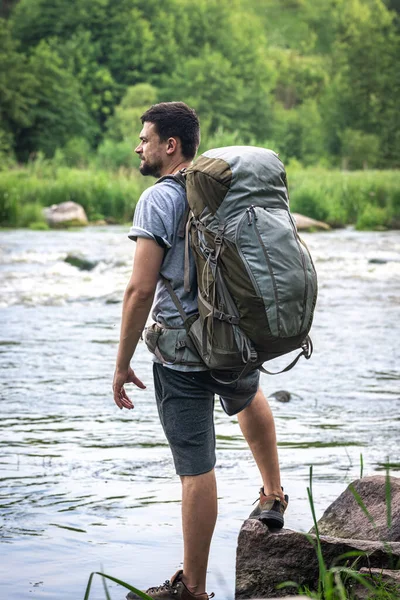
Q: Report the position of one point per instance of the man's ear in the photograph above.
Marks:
(172, 145)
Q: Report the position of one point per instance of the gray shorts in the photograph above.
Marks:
(185, 402)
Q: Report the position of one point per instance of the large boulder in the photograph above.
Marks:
(307, 224)
(266, 559)
(66, 214)
(345, 518)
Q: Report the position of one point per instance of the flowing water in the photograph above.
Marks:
(85, 486)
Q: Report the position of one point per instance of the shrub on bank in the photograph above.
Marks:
(366, 199)
(99, 192)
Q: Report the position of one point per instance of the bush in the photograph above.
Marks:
(114, 155)
(31, 213)
(373, 217)
(76, 152)
(366, 199)
(342, 197)
(23, 192)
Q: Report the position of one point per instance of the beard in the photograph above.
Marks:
(154, 170)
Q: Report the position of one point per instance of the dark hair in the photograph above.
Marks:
(176, 119)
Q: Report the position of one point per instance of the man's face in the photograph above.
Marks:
(152, 151)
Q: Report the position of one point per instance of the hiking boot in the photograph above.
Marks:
(172, 590)
(270, 510)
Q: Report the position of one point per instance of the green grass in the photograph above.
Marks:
(365, 199)
(24, 191)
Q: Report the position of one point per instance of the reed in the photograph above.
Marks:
(365, 199)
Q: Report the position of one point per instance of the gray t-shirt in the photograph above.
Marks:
(159, 216)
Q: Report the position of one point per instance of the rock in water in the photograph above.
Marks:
(66, 214)
(346, 519)
(80, 262)
(266, 559)
(306, 223)
(281, 396)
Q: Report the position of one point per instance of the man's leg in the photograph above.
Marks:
(186, 412)
(199, 514)
(258, 427)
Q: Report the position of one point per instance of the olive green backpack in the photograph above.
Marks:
(257, 285)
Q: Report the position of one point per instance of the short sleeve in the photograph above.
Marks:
(156, 215)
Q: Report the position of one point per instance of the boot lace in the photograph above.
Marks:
(167, 586)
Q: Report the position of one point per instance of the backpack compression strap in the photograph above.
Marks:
(307, 350)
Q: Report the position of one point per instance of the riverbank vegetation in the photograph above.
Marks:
(365, 199)
(315, 80)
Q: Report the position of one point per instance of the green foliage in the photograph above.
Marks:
(59, 112)
(7, 158)
(373, 217)
(76, 153)
(366, 199)
(98, 192)
(317, 78)
(125, 123)
(31, 213)
(16, 93)
(359, 149)
(341, 198)
(82, 56)
(298, 134)
(114, 155)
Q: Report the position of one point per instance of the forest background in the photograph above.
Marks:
(316, 80)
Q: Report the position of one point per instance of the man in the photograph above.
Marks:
(185, 394)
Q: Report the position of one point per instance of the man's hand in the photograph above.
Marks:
(120, 378)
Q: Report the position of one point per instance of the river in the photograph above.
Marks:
(86, 487)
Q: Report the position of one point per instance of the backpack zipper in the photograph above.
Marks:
(252, 217)
(303, 262)
(271, 272)
(244, 259)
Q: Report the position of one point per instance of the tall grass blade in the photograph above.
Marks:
(116, 580)
(388, 494)
(351, 573)
(321, 561)
(89, 585)
(361, 504)
(107, 593)
(339, 586)
(361, 465)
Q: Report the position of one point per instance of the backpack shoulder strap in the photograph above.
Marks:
(179, 177)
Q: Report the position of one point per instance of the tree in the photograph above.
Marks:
(124, 124)
(17, 85)
(59, 112)
(365, 85)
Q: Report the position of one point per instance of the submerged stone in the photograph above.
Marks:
(80, 262)
(281, 396)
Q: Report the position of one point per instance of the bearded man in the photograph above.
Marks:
(185, 392)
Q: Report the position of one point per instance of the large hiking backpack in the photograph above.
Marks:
(257, 285)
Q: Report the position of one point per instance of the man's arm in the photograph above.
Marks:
(137, 303)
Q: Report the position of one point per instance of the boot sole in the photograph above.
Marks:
(271, 518)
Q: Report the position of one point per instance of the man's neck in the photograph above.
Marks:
(174, 167)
